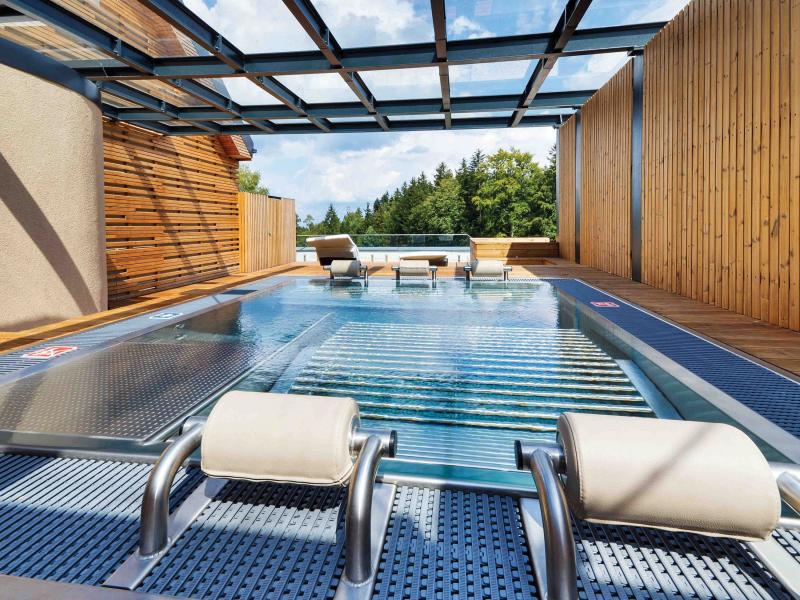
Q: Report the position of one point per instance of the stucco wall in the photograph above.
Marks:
(52, 242)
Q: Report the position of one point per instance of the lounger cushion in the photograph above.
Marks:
(705, 478)
(333, 246)
(414, 267)
(279, 437)
(487, 268)
(434, 258)
(345, 268)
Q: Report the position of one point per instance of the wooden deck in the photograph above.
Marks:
(779, 347)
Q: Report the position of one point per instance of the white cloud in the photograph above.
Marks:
(318, 170)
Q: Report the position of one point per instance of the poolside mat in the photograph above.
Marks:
(771, 395)
(72, 520)
(635, 562)
(257, 540)
(129, 391)
(454, 544)
(447, 388)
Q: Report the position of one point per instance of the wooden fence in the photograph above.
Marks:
(566, 190)
(172, 214)
(267, 226)
(720, 161)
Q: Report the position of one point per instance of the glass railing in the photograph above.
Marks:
(377, 247)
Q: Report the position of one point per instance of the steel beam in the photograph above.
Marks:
(403, 56)
(310, 20)
(637, 122)
(440, 37)
(564, 30)
(29, 61)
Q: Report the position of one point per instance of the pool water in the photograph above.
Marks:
(459, 370)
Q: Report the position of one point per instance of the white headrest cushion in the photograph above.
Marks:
(279, 437)
(487, 268)
(345, 268)
(705, 478)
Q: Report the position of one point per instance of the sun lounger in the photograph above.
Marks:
(332, 247)
(487, 269)
(274, 439)
(438, 259)
(681, 476)
(414, 269)
(348, 269)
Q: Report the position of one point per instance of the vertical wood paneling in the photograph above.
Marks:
(721, 193)
(267, 227)
(606, 175)
(566, 182)
(172, 213)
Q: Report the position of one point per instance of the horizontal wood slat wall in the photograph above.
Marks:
(172, 211)
(606, 175)
(267, 226)
(566, 189)
(721, 204)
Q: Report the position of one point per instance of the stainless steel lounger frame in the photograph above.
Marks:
(468, 272)
(559, 580)
(157, 532)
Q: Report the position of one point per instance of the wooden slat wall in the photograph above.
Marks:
(566, 190)
(606, 175)
(268, 228)
(172, 213)
(721, 205)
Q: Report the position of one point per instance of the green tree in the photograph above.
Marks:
(442, 211)
(330, 223)
(514, 199)
(249, 181)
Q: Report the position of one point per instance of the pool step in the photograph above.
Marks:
(489, 385)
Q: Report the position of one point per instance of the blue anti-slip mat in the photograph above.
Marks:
(766, 392)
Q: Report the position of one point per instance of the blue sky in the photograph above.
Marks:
(349, 170)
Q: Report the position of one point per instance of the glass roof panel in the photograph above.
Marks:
(485, 79)
(605, 13)
(134, 23)
(323, 87)
(165, 92)
(351, 120)
(45, 39)
(468, 19)
(245, 92)
(118, 102)
(403, 84)
(416, 117)
(583, 72)
(357, 24)
(255, 26)
(483, 114)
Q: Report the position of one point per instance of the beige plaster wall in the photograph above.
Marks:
(52, 233)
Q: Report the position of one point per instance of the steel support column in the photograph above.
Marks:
(636, 166)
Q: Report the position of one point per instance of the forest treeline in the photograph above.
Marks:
(502, 194)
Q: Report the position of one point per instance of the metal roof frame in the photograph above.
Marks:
(126, 63)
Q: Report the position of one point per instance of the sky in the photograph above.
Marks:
(350, 169)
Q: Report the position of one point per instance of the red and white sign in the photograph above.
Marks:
(605, 304)
(49, 352)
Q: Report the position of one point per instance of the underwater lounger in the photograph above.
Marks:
(705, 478)
(487, 269)
(414, 268)
(282, 438)
(348, 269)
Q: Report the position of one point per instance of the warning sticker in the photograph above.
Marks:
(166, 315)
(49, 352)
(605, 304)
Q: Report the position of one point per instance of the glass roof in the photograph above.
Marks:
(347, 59)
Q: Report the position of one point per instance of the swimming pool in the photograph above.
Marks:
(459, 370)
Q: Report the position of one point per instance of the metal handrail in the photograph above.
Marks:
(368, 444)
